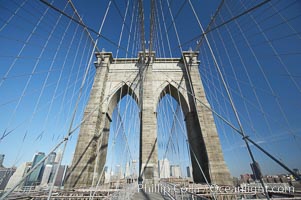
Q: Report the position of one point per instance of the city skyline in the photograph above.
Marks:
(42, 176)
(166, 171)
(36, 124)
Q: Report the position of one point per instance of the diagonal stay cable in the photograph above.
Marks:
(228, 21)
(34, 67)
(237, 16)
(239, 132)
(141, 21)
(66, 138)
(217, 66)
(78, 99)
(83, 25)
(199, 43)
(81, 20)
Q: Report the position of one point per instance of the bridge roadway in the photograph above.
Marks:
(136, 196)
(149, 196)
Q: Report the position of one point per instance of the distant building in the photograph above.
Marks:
(5, 174)
(118, 172)
(276, 179)
(1, 160)
(18, 175)
(49, 175)
(127, 170)
(175, 171)
(189, 171)
(107, 174)
(246, 178)
(51, 158)
(46, 174)
(270, 179)
(59, 181)
(164, 168)
(35, 177)
(236, 181)
(58, 157)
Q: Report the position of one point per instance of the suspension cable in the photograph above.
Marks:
(230, 98)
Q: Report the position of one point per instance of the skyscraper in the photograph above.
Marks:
(1, 160)
(107, 174)
(189, 171)
(46, 174)
(5, 174)
(61, 175)
(59, 180)
(127, 170)
(164, 168)
(119, 172)
(175, 171)
(18, 175)
(51, 158)
(58, 156)
(35, 177)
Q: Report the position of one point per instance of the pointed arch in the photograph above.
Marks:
(124, 90)
(170, 89)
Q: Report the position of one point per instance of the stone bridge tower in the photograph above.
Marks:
(117, 77)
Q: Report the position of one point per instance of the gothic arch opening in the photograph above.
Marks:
(176, 94)
(124, 90)
(123, 137)
(173, 150)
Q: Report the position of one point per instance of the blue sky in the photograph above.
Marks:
(259, 54)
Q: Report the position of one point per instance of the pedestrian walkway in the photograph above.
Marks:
(148, 196)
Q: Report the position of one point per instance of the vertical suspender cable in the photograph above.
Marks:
(77, 102)
(187, 71)
(230, 98)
